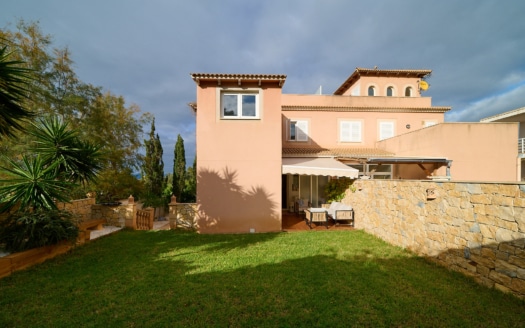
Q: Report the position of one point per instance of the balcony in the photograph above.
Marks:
(521, 146)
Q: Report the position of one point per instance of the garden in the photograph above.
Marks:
(183, 279)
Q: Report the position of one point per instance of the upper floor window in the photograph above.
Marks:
(386, 130)
(298, 130)
(350, 131)
(428, 123)
(371, 91)
(239, 105)
(408, 92)
(389, 91)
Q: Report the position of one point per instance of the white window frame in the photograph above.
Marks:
(428, 123)
(366, 170)
(390, 128)
(390, 87)
(239, 94)
(350, 131)
(300, 133)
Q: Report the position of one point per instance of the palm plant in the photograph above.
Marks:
(62, 161)
(14, 81)
(77, 160)
(31, 185)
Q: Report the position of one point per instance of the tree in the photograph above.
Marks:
(179, 169)
(14, 81)
(190, 191)
(61, 160)
(99, 116)
(153, 167)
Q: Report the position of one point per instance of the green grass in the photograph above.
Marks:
(180, 279)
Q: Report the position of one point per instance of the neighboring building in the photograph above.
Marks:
(516, 116)
(259, 150)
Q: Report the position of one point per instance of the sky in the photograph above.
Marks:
(146, 50)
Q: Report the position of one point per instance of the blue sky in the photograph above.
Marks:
(145, 50)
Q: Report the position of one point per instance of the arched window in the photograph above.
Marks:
(408, 92)
(371, 91)
(389, 91)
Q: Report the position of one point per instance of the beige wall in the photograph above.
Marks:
(475, 228)
(238, 165)
(479, 151)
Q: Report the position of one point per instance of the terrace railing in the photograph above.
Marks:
(521, 145)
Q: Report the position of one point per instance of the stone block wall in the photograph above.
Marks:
(80, 207)
(183, 215)
(475, 228)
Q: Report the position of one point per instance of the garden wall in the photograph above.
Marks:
(475, 228)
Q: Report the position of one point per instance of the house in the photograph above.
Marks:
(260, 151)
(514, 116)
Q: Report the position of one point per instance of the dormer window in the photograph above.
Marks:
(389, 91)
(371, 91)
(408, 92)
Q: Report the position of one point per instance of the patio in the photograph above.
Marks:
(296, 222)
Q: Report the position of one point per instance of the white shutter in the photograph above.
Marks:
(301, 131)
(386, 130)
(350, 131)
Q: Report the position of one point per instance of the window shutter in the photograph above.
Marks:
(301, 131)
(350, 131)
(386, 130)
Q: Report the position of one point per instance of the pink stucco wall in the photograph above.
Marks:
(323, 127)
(238, 165)
(479, 151)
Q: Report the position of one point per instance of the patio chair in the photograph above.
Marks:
(340, 212)
(316, 215)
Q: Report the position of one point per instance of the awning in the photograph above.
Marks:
(318, 166)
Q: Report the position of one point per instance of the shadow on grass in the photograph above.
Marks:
(335, 279)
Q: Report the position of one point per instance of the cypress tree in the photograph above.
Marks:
(153, 167)
(179, 169)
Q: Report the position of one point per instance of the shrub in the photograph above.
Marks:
(335, 190)
(41, 227)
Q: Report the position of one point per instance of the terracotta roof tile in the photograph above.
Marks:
(335, 152)
(359, 71)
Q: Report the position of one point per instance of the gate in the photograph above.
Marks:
(145, 218)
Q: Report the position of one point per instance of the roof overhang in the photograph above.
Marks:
(516, 115)
(238, 78)
(317, 166)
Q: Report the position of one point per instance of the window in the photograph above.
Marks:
(408, 92)
(371, 91)
(350, 131)
(429, 123)
(240, 105)
(389, 91)
(386, 130)
(298, 130)
(374, 171)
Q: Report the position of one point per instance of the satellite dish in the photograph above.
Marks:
(423, 85)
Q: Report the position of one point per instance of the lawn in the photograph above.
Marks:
(182, 279)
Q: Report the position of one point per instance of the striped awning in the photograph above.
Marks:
(318, 166)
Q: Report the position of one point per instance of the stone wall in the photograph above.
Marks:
(475, 228)
(80, 207)
(182, 215)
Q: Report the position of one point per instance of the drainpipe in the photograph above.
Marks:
(449, 164)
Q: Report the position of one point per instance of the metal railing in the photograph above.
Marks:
(521, 145)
